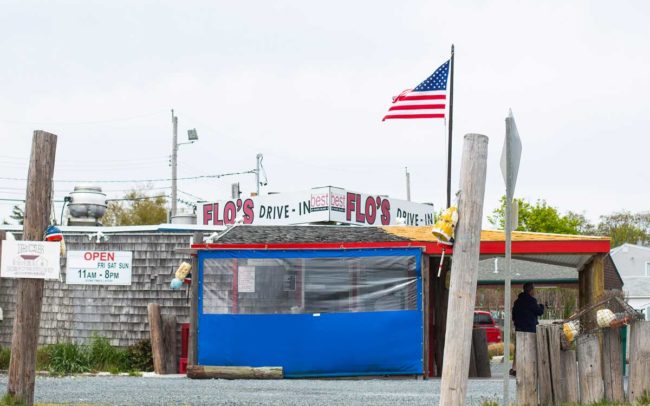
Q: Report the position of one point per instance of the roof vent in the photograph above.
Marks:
(87, 204)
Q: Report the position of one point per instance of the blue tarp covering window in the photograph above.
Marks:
(315, 313)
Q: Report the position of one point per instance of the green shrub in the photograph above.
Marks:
(43, 358)
(102, 356)
(98, 355)
(140, 357)
(68, 358)
(5, 357)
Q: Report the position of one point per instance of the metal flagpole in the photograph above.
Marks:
(451, 122)
(510, 158)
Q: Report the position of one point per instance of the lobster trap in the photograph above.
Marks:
(608, 311)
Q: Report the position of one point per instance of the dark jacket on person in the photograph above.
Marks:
(525, 312)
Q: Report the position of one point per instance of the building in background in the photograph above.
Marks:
(633, 263)
(555, 285)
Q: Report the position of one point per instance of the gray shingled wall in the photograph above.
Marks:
(119, 313)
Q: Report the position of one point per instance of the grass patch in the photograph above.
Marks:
(68, 358)
(10, 400)
(5, 357)
(104, 357)
(96, 356)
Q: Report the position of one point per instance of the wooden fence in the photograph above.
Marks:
(590, 373)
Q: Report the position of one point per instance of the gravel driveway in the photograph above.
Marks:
(120, 390)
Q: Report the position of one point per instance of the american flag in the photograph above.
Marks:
(427, 100)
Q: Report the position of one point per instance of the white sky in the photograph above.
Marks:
(306, 83)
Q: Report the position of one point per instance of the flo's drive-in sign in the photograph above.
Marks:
(324, 204)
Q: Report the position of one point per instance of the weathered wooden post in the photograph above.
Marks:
(545, 386)
(639, 379)
(590, 370)
(549, 365)
(464, 271)
(169, 343)
(157, 344)
(613, 365)
(526, 356)
(192, 352)
(482, 360)
(554, 349)
(569, 373)
(29, 292)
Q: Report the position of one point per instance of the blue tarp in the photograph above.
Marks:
(294, 309)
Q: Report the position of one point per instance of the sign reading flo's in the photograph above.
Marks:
(322, 204)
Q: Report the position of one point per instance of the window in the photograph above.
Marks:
(309, 285)
(482, 319)
(647, 268)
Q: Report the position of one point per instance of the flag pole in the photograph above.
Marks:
(451, 122)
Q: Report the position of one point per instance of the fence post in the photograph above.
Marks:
(526, 356)
(157, 345)
(169, 343)
(639, 380)
(543, 367)
(569, 372)
(590, 369)
(480, 345)
(554, 349)
(613, 365)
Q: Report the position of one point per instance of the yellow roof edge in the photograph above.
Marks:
(423, 233)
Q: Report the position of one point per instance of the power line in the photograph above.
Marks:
(191, 195)
(83, 122)
(108, 200)
(216, 176)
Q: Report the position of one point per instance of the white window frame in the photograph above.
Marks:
(647, 268)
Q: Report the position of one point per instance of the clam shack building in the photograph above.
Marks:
(326, 301)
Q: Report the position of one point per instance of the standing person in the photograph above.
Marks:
(525, 312)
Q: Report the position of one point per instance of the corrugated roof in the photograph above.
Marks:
(423, 233)
(524, 271)
(343, 234)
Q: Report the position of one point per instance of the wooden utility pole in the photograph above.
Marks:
(464, 271)
(29, 292)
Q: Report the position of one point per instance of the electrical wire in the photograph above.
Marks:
(112, 120)
(108, 200)
(215, 176)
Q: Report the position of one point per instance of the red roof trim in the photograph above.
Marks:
(487, 247)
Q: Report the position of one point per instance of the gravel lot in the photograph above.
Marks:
(117, 390)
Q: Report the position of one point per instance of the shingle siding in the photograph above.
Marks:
(613, 280)
(75, 312)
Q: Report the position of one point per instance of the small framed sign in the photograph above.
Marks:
(30, 259)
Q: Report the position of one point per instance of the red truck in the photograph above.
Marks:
(485, 321)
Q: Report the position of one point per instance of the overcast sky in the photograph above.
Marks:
(306, 83)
